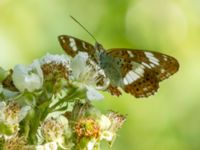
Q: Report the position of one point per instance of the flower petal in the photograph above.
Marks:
(78, 64)
(107, 135)
(93, 94)
(105, 122)
(30, 78)
(2, 108)
(23, 112)
(58, 59)
(91, 144)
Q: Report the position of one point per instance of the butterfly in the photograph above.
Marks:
(137, 72)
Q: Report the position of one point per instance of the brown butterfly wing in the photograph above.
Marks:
(72, 45)
(142, 70)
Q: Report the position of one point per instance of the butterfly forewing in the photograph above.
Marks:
(142, 70)
(162, 64)
(72, 45)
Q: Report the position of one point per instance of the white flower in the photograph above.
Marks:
(52, 130)
(10, 116)
(55, 67)
(104, 122)
(85, 75)
(7, 93)
(117, 120)
(55, 146)
(107, 135)
(48, 146)
(15, 142)
(57, 59)
(2, 108)
(109, 125)
(60, 119)
(28, 77)
(91, 144)
(12, 113)
(78, 64)
(93, 94)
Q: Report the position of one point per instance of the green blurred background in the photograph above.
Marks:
(169, 120)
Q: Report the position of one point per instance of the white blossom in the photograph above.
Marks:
(48, 146)
(93, 94)
(12, 113)
(85, 75)
(91, 144)
(104, 122)
(107, 135)
(78, 64)
(2, 108)
(57, 59)
(28, 77)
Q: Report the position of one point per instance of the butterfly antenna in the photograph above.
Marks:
(83, 28)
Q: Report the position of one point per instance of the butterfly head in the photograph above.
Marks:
(99, 47)
(99, 51)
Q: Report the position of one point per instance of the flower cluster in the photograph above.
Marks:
(48, 106)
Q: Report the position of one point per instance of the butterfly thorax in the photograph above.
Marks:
(99, 51)
(110, 65)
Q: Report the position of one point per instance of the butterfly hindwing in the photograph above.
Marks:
(142, 70)
(144, 86)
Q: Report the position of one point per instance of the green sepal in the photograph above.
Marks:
(3, 74)
(6, 129)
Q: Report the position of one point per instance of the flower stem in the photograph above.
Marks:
(73, 94)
